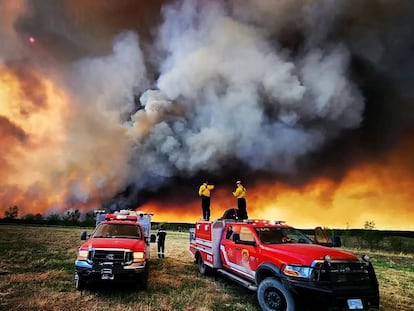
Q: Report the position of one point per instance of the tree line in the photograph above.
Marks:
(71, 217)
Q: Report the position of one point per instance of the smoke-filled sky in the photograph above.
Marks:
(133, 104)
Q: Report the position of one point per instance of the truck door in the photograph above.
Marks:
(228, 247)
(243, 249)
(246, 252)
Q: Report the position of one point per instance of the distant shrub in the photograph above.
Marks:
(378, 240)
(372, 238)
(53, 219)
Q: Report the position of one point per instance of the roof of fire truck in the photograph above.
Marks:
(232, 215)
(257, 222)
(127, 215)
(265, 222)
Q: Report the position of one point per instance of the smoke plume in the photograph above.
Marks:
(117, 103)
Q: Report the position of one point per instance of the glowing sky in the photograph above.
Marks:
(132, 104)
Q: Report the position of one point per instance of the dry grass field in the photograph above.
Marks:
(37, 273)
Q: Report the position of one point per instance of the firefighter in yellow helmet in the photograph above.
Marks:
(205, 192)
(240, 194)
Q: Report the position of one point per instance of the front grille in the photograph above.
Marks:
(343, 273)
(116, 257)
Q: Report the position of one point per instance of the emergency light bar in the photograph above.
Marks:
(120, 217)
(257, 221)
(127, 215)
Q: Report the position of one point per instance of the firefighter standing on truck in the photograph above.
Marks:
(205, 192)
(161, 241)
(240, 194)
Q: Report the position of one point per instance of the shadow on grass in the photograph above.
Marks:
(113, 288)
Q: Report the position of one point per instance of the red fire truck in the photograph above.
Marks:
(118, 248)
(289, 270)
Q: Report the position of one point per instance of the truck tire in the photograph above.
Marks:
(142, 280)
(80, 283)
(202, 266)
(273, 296)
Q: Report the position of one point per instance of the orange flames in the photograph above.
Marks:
(380, 192)
(40, 167)
(59, 151)
(32, 138)
(45, 163)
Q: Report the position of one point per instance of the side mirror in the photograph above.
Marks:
(83, 236)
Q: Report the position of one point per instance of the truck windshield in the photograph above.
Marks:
(282, 235)
(117, 231)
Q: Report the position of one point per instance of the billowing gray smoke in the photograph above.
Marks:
(229, 91)
(218, 85)
(226, 91)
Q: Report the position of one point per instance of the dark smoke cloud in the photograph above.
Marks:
(68, 30)
(229, 89)
(318, 96)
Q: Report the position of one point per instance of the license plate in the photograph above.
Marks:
(107, 276)
(355, 304)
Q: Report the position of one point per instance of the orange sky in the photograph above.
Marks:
(369, 192)
(39, 168)
(72, 132)
(41, 163)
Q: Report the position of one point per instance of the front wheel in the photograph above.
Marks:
(273, 296)
(80, 283)
(142, 279)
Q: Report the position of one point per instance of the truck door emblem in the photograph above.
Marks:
(245, 259)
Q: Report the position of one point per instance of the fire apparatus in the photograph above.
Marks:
(118, 248)
(288, 270)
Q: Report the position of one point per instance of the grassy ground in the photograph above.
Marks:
(37, 272)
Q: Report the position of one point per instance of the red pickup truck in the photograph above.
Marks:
(288, 270)
(118, 248)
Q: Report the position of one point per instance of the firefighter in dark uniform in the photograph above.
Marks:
(205, 192)
(240, 194)
(161, 234)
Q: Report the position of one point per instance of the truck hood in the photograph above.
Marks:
(305, 254)
(132, 244)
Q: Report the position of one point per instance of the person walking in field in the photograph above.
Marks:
(161, 234)
(205, 192)
(240, 194)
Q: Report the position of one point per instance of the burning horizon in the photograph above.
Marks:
(369, 192)
(131, 105)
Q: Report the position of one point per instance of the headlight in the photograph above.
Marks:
(82, 255)
(139, 256)
(298, 271)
